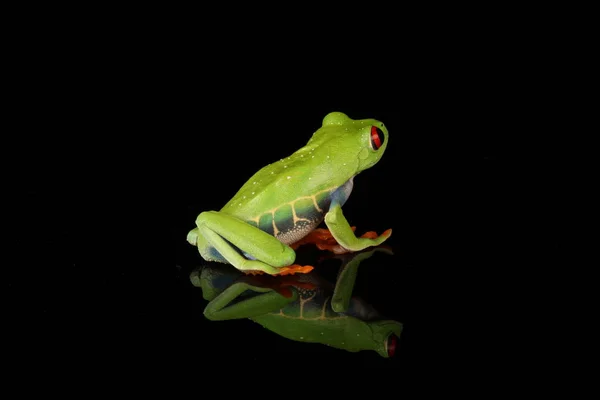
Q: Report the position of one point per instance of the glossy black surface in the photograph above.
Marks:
(439, 191)
(98, 281)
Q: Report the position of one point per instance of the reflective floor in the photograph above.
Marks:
(350, 307)
(117, 174)
(431, 295)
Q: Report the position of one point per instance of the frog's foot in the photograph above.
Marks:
(295, 269)
(289, 270)
(374, 235)
(322, 238)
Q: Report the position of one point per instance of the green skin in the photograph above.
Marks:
(317, 313)
(286, 200)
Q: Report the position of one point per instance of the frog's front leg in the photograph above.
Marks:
(344, 285)
(344, 235)
(223, 232)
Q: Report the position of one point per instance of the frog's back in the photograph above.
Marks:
(311, 319)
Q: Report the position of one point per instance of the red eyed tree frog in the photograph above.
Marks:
(305, 307)
(258, 230)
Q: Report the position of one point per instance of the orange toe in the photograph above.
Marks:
(291, 270)
(369, 235)
(373, 234)
(294, 269)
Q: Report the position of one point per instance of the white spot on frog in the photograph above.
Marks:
(289, 177)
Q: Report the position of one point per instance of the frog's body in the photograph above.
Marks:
(310, 318)
(286, 200)
(304, 308)
(291, 220)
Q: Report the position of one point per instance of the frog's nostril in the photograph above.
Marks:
(377, 138)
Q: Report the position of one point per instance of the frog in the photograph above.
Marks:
(284, 203)
(306, 308)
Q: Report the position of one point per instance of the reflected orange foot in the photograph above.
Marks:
(284, 287)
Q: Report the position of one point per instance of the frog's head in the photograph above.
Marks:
(386, 334)
(360, 143)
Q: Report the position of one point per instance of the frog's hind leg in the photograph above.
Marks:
(208, 252)
(192, 236)
(232, 238)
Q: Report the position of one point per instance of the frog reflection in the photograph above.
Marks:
(302, 307)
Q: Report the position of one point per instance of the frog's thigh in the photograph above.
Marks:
(248, 238)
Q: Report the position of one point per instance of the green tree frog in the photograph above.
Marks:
(305, 307)
(258, 230)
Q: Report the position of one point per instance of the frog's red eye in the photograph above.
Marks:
(392, 340)
(376, 138)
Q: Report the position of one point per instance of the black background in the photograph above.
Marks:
(130, 151)
(105, 284)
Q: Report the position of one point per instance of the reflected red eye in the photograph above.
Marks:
(376, 137)
(391, 345)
